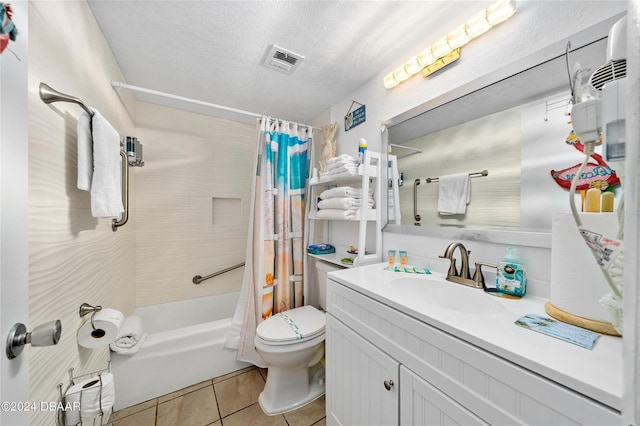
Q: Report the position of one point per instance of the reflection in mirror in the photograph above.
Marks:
(514, 128)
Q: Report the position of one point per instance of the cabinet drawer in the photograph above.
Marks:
(496, 390)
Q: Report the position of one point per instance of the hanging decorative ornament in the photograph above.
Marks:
(594, 175)
(8, 30)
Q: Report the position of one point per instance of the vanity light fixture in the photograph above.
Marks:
(447, 49)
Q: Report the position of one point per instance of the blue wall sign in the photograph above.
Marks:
(354, 118)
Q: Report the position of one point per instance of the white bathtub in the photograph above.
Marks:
(184, 347)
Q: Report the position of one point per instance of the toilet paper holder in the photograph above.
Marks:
(62, 390)
(86, 309)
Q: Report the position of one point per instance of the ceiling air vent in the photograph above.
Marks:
(282, 60)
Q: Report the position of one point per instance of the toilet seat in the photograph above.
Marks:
(292, 326)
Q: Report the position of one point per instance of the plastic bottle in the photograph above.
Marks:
(361, 149)
(512, 261)
(511, 278)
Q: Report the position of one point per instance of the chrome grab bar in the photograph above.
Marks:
(198, 279)
(416, 216)
(125, 193)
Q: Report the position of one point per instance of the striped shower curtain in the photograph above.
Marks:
(272, 280)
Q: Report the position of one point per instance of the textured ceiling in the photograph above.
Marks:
(212, 50)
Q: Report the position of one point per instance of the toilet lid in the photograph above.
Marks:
(295, 324)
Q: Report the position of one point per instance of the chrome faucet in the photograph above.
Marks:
(464, 276)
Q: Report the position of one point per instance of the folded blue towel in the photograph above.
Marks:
(323, 248)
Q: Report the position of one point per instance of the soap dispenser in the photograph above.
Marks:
(511, 277)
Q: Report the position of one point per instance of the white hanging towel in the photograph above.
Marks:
(106, 189)
(85, 152)
(454, 192)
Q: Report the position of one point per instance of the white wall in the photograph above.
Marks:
(73, 257)
(631, 402)
(536, 25)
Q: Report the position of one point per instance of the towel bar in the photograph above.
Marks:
(49, 94)
(482, 173)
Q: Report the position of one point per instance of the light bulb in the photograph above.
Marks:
(477, 25)
(412, 66)
(426, 57)
(440, 48)
(401, 74)
(441, 63)
(458, 37)
(390, 82)
(500, 12)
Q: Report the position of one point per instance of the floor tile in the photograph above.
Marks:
(142, 418)
(233, 373)
(263, 372)
(197, 408)
(307, 415)
(134, 409)
(238, 392)
(253, 415)
(321, 422)
(184, 391)
(232, 396)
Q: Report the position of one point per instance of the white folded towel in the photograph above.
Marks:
(106, 189)
(342, 159)
(344, 203)
(454, 192)
(343, 191)
(343, 168)
(336, 165)
(130, 336)
(336, 214)
(85, 151)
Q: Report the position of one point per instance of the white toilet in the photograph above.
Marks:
(292, 345)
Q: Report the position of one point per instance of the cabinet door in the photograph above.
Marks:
(423, 404)
(358, 375)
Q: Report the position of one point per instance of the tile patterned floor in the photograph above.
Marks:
(229, 400)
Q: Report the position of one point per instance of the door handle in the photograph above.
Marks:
(388, 384)
(43, 335)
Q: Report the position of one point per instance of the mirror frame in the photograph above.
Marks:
(501, 236)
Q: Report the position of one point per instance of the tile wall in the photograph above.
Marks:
(192, 203)
(73, 257)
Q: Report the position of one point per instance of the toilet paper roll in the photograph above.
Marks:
(577, 283)
(107, 323)
(89, 398)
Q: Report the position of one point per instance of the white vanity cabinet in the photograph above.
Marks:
(437, 377)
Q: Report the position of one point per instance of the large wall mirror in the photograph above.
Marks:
(512, 124)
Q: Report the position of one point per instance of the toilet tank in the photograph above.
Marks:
(322, 268)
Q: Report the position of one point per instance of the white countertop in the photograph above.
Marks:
(596, 373)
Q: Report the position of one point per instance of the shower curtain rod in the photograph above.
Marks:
(119, 84)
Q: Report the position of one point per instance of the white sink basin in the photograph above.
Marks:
(436, 291)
